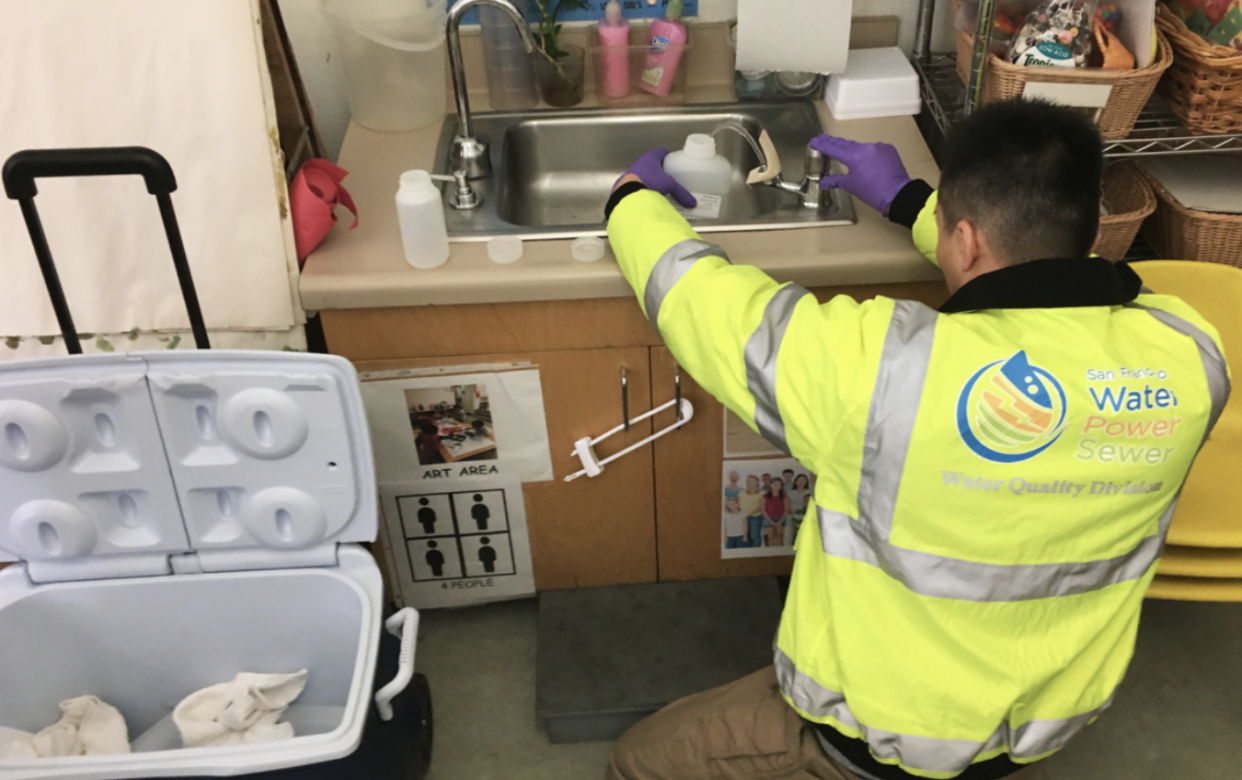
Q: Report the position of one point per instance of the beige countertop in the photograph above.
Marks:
(365, 268)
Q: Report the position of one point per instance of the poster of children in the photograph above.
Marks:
(451, 423)
(765, 502)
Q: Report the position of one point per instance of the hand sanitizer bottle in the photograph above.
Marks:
(614, 60)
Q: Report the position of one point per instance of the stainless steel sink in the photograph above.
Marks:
(552, 171)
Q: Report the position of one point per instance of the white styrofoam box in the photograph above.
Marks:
(122, 460)
(876, 83)
(82, 467)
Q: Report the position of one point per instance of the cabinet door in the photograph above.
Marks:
(592, 531)
(688, 466)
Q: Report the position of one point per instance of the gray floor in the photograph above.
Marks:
(1178, 716)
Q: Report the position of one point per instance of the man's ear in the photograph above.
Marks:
(1095, 245)
(968, 239)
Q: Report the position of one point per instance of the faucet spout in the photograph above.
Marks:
(469, 152)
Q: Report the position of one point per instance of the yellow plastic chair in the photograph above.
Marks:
(1195, 589)
(1210, 512)
(1201, 562)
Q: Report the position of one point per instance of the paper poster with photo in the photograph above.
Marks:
(443, 425)
(764, 504)
(457, 542)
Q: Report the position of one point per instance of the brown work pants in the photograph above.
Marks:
(742, 731)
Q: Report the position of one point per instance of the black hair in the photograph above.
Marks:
(1028, 174)
(428, 428)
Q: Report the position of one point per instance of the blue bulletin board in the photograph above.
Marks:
(633, 9)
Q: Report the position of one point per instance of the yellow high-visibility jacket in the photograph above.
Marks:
(995, 480)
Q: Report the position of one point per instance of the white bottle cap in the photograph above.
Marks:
(415, 180)
(588, 249)
(504, 249)
(700, 146)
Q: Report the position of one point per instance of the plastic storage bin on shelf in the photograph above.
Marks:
(392, 54)
(605, 60)
(181, 517)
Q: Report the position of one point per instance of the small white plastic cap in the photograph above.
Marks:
(700, 146)
(504, 249)
(415, 180)
(588, 249)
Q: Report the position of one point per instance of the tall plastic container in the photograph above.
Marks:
(420, 214)
(511, 84)
(699, 168)
(664, 60)
(392, 54)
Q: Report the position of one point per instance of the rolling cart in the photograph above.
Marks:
(178, 517)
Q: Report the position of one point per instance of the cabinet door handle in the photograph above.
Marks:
(625, 397)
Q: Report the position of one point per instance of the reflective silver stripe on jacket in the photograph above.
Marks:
(953, 578)
(890, 427)
(1214, 365)
(1029, 741)
(669, 270)
(762, 350)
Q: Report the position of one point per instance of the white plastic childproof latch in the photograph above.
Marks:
(592, 466)
(153, 463)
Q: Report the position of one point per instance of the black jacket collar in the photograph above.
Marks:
(1048, 284)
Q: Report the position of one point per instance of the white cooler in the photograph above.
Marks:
(181, 517)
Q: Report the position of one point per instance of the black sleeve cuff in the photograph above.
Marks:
(620, 194)
(909, 203)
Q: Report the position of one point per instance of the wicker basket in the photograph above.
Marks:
(1131, 88)
(1129, 200)
(1179, 233)
(1204, 85)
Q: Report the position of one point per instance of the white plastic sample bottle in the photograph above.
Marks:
(698, 168)
(420, 213)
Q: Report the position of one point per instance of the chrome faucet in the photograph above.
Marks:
(469, 153)
(815, 162)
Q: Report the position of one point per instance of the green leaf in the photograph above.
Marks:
(103, 345)
(47, 341)
(175, 341)
(132, 335)
(12, 342)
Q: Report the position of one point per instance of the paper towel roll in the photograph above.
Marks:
(793, 35)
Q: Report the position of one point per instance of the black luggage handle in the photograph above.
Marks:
(20, 172)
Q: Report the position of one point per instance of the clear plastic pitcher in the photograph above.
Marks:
(393, 55)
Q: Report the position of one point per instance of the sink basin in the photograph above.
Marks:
(552, 171)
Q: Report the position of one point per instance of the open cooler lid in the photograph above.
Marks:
(145, 463)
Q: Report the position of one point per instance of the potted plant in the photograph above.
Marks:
(561, 68)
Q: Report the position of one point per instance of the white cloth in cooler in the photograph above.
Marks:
(87, 727)
(245, 711)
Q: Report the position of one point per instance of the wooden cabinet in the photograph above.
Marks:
(589, 531)
(653, 514)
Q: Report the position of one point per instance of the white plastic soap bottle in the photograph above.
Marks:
(420, 213)
(698, 168)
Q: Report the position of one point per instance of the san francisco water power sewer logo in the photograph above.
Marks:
(1010, 410)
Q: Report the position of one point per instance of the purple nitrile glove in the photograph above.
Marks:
(650, 169)
(876, 173)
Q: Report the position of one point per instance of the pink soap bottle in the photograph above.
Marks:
(614, 59)
(668, 39)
